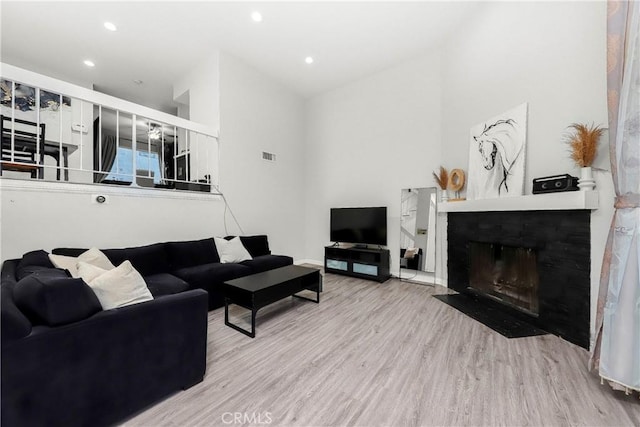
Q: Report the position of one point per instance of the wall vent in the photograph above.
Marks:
(270, 157)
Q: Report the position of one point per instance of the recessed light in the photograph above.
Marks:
(256, 16)
(89, 63)
(110, 26)
(308, 60)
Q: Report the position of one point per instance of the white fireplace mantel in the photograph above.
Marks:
(568, 200)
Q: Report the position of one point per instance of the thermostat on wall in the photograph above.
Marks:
(79, 127)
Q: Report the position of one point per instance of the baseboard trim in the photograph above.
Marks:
(309, 261)
(440, 281)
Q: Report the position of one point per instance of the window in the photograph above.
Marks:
(122, 169)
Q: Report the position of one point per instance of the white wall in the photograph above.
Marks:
(259, 114)
(253, 113)
(368, 140)
(49, 215)
(549, 54)
(201, 88)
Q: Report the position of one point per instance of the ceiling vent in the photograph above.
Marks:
(270, 157)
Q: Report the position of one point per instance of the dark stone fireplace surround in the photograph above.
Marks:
(562, 240)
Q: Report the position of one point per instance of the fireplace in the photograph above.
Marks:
(505, 273)
(536, 263)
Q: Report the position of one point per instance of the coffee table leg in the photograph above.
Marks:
(251, 333)
(317, 300)
(253, 323)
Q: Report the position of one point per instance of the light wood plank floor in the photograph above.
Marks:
(387, 354)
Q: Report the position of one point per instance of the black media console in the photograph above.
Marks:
(365, 263)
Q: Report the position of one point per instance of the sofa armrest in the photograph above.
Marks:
(13, 323)
(8, 272)
(104, 368)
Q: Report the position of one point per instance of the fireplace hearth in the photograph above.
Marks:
(535, 263)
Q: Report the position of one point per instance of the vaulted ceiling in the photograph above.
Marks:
(157, 42)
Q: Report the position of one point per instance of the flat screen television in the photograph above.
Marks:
(359, 225)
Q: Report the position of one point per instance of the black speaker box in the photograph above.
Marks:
(554, 184)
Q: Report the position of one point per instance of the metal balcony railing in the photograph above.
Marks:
(89, 137)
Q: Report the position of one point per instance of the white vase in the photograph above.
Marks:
(586, 181)
(444, 195)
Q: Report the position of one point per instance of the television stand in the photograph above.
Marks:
(364, 263)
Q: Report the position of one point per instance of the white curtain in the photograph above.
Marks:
(618, 323)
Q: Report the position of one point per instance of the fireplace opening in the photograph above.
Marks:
(505, 273)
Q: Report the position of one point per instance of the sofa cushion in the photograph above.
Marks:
(165, 284)
(51, 273)
(74, 252)
(117, 287)
(267, 262)
(231, 250)
(22, 272)
(13, 323)
(255, 245)
(191, 253)
(52, 299)
(208, 276)
(147, 260)
(93, 256)
(38, 257)
(31, 262)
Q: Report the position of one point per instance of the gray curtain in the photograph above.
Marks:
(108, 150)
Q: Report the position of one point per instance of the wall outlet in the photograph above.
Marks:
(99, 199)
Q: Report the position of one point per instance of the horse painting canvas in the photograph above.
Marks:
(497, 156)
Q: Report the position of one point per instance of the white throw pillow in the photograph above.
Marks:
(65, 262)
(118, 287)
(93, 256)
(88, 272)
(231, 250)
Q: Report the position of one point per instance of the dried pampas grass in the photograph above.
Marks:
(583, 143)
(442, 179)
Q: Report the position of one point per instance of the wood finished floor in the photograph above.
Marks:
(388, 354)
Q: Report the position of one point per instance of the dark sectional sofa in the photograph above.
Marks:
(67, 362)
(173, 267)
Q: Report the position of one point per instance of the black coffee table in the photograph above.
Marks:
(259, 290)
